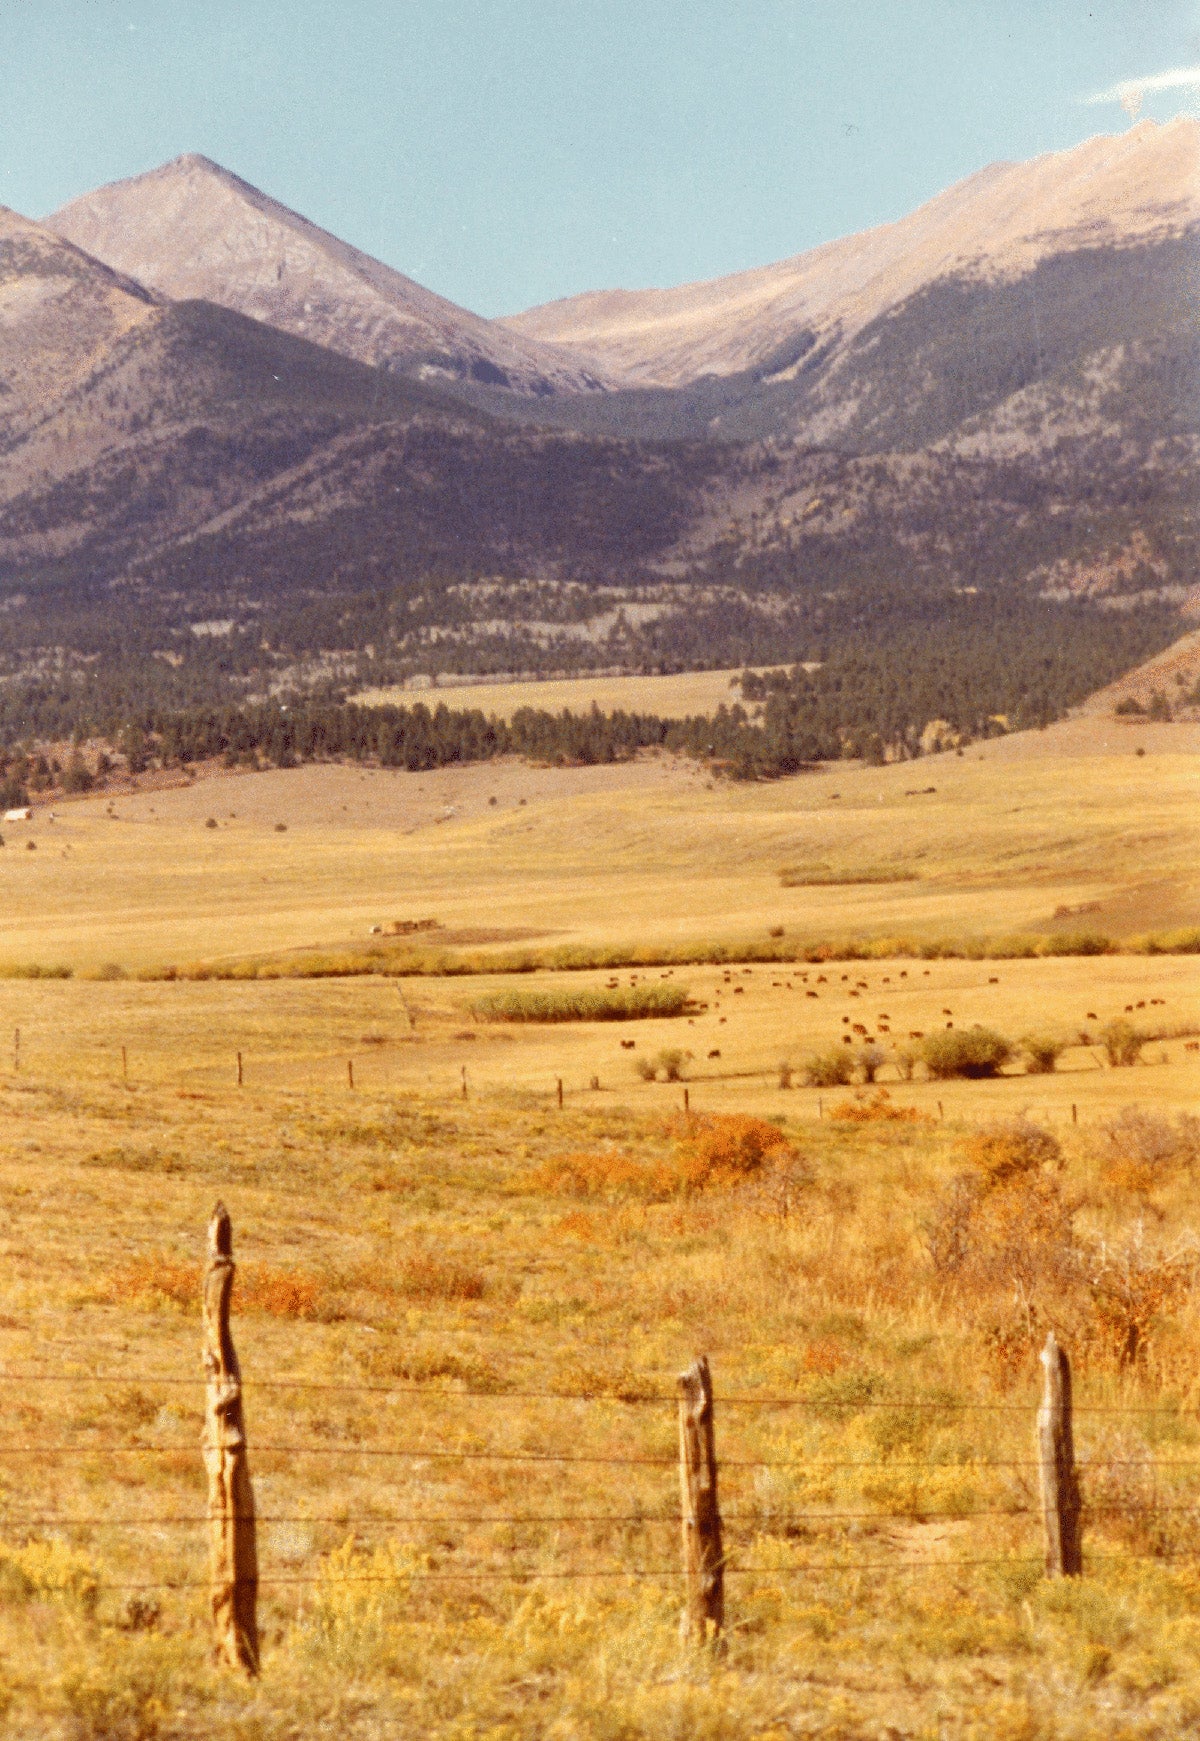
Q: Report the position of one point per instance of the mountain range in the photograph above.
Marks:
(212, 412)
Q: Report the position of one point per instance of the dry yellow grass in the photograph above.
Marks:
(679, 696)
(446, 1252)
(648, 851)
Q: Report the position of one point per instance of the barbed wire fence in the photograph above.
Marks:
(704, 1560)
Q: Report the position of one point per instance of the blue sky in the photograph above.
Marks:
(508, 151)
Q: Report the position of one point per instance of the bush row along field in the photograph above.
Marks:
(430, 961)
(539, 1276)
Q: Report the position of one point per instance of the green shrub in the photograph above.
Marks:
(1122, 1043)
(971, 1052)
(581, 1004)
(1042, 1052)
(1078, 943)
(830, 1069)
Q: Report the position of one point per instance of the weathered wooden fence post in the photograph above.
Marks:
(1058, 1476)
(560, 1091)
(239, 1057)
(232, 1546)
(703, 1561)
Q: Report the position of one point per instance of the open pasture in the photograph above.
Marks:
(1066, 829)
(460, 1319)
(459, 1324)
(678, 696)
(421, 1035)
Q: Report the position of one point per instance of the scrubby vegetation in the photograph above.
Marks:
(973, 1052)
(403, 960)
(571, 1004)
(518, 1284)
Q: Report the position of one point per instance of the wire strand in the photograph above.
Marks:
(557, 1457)
(732, 1399)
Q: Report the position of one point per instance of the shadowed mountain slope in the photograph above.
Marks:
(59, 312)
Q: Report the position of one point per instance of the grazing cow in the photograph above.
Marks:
(1092, 1016)
(845, 1018)
(716, 1052)
(812, 994)
(947, 1012)
(916, 1033)
(628, 1045)
(1191, 1045)
(859, 1029)
(993, 980)
(1128, 1009)
(739, 990)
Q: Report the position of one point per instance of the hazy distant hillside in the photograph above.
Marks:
(191, 230)
(991, 406)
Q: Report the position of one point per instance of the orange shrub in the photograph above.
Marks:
(425, 1276)
(605, 1174)
(153, 1278)
(718, 1150)
(877, 1108)
(279, 1293)
(824, 1357)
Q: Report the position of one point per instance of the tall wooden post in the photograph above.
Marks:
(703, 1561)
(1058, 1476)
(239, 1056)
(232, 1547)
(560, 1091)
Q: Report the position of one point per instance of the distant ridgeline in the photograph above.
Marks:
(974, 665)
